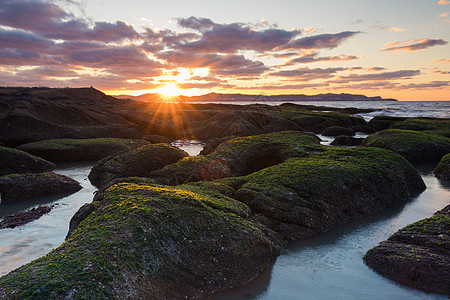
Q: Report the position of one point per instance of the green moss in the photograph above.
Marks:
(442, 170)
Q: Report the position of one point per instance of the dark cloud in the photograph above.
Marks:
(432, 84)
(402, 74)
(229, 38)
(307, 73)
(312, 57)
(321, 41)
(413, 45)
(219, 64)
(297, 86)
(19, 39)
(18, 57)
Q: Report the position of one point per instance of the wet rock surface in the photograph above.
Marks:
(22, 218)
(417, 255)
(19, 187)
(338, 130)
(443, 168)
(344, 140)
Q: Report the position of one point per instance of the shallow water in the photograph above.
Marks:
(330, 265)
(25, 243)
(192, 147)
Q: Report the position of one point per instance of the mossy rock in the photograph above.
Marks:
(417, 147)
(364, 129)
(307, 195)
(417, 255)
(443, 168)
(13, 161)
(140, 162)
(384, 122)
(338, 130)
(212, 144)
(71, 150)
(20, 187)
(426, 125)
(194, 168)
(149, 242)
(344, 140)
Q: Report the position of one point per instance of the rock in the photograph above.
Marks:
(438, 126)
(337, 130)
(443, 168)
(384, 122)
(156, 139)
(79, 216)
(212, 144)
(344, 140)
(139, 162)
(22, 218)
(363, 129)
(150, 242)
(417, 255)
(72, 150)
(415, 146)
(19, 187)
(14, 161)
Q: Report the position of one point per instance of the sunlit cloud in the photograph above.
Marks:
(443, 2)
(442, 61)
(312, 57)
(401, 74)
(443, 15)
(413, 45)
(321, 41)
(397, 29)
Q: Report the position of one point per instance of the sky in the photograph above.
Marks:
(394, 49)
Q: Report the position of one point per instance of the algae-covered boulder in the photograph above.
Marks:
(13, 161)
(437, 126)
(384, 122)
(194, 168)
(150, 242)
(417, 255)
(345, 140)
(19, 187)
(338, 130)
(307, 195)
(415, 146)
(139, 162)
(70, 150)
(364, 129)
(443, 168)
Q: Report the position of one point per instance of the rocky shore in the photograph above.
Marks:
(165, 225)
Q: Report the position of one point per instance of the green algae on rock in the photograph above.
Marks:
(140, 162)
(19, 187)
(415, 146)
(71, 150)
(149, 242)
(443, 168)
(338, 130)
(13, 161)
(417, 255)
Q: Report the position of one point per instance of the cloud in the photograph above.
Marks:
(397, 29)
(311, 57)
(321, 41)
(297, 86)
(432, 84)
(413, 45)
(442, 61)
(443, 2)
(307, 73)
(229, 38)
(401, 74)
(443, 15)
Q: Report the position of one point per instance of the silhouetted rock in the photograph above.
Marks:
(14, 161)
(417, 255)
(384, 122)
(19, 187)
(70, 150)
(363, 129)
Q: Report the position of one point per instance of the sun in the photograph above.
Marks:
(169, 90)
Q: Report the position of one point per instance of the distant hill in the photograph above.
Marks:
(215, 97)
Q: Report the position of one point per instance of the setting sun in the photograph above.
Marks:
(169, 90)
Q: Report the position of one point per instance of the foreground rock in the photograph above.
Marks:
(139, 162)
(142, 240)
(415, 146)
(344, 140)
(13, 161)
(19, 187)
(417, 255)
(338, 130)
(22, 218)
(72, 150)
(443, 168)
